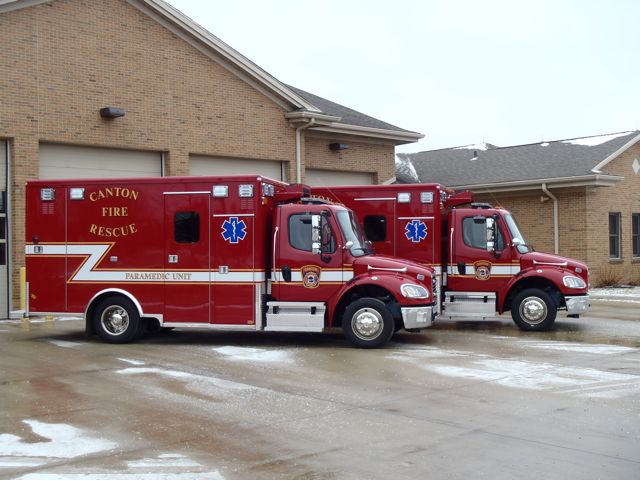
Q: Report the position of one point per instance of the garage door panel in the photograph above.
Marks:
(70, 161)
(203, 165)
(324, 178)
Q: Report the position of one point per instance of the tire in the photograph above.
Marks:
(368, 323)
(116, 320)
(533, 310)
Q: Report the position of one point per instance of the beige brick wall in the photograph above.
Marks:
(623, 198)
(361, 156)
(62, 61)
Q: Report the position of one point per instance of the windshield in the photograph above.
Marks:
(516, 236)
(352, 233)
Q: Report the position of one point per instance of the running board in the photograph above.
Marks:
(295, 317)
(469, 304)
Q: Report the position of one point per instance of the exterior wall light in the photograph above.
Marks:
(111, 112)
(338, 146)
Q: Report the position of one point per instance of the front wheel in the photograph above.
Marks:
(533, 310)
(368, 323)
(116, 320)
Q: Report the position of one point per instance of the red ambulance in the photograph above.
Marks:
(482, 261)
(228, 253)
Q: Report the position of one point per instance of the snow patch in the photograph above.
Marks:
(597, 349)
(595, 141)
(65, 343)
(63, 441)
(167, 460)
(246, 354)
(577, 381)
(215, 475)
(131, 362)
(477, 146)
(193, 379)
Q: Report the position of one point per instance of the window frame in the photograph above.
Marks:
(635, 235)
(616, 236)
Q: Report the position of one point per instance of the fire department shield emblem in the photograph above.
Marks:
(310, 276)
(482, 269)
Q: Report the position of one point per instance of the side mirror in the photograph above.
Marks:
(316, 235)
(348, 245)
(491, 234)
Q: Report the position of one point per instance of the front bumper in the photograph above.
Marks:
(577, 305)
(417, 317)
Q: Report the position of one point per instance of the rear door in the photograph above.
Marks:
(187, 260)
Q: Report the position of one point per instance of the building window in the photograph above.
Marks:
(375, 228)
(186, 227)
(635, 234)
(614, 235)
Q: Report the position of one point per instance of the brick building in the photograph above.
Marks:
(192, 106)
(579, 197)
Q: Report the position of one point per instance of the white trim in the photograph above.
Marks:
(560, 182)
(210, 326)
(396, 135)
(9, 5)
(216, 215)
(373, 198)
(416, 218)
(118, 291)
(198, 192)
(615, 154)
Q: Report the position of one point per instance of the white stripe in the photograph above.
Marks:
(495, 269)
(371, 199)
(95, 252)
(234, 215)
(415, 218)
(325, 276)
(187, 193)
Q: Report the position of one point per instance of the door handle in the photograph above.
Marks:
(286, 273)
(172, 259)
(462, 268)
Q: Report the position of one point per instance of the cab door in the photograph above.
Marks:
(186, 261)
(300, 274)
(471, 267)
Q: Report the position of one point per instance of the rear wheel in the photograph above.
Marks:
(533, 310)
(116, 320)
(368, 323)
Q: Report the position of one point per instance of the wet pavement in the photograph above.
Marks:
(461, 400)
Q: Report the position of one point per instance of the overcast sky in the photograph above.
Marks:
(506, 72)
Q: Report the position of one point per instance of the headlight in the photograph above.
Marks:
(573, 282)
(411, 290)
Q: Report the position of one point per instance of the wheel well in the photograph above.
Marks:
(366, 291)
(534, 282)
(88, 315)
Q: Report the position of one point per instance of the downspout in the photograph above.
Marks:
(556, 239)
(299, 148)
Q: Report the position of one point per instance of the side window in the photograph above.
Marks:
(300, 234)
(475, 235)
(186, 227)
(375, 228)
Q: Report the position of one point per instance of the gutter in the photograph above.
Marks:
(310, 124)
(556, 239)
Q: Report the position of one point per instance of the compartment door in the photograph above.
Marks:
(187, 262)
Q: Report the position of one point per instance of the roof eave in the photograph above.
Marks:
(598, 168)
(595, 180)
(397, 136)
(229, 54)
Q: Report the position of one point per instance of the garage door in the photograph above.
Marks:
(323, 178)
(70, 161)
(212, 166)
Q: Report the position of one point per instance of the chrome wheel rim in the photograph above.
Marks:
(533, 310)
(367, 323)
(114, 320)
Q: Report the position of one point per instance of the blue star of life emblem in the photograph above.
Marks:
(234, 230)
(416, 231)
